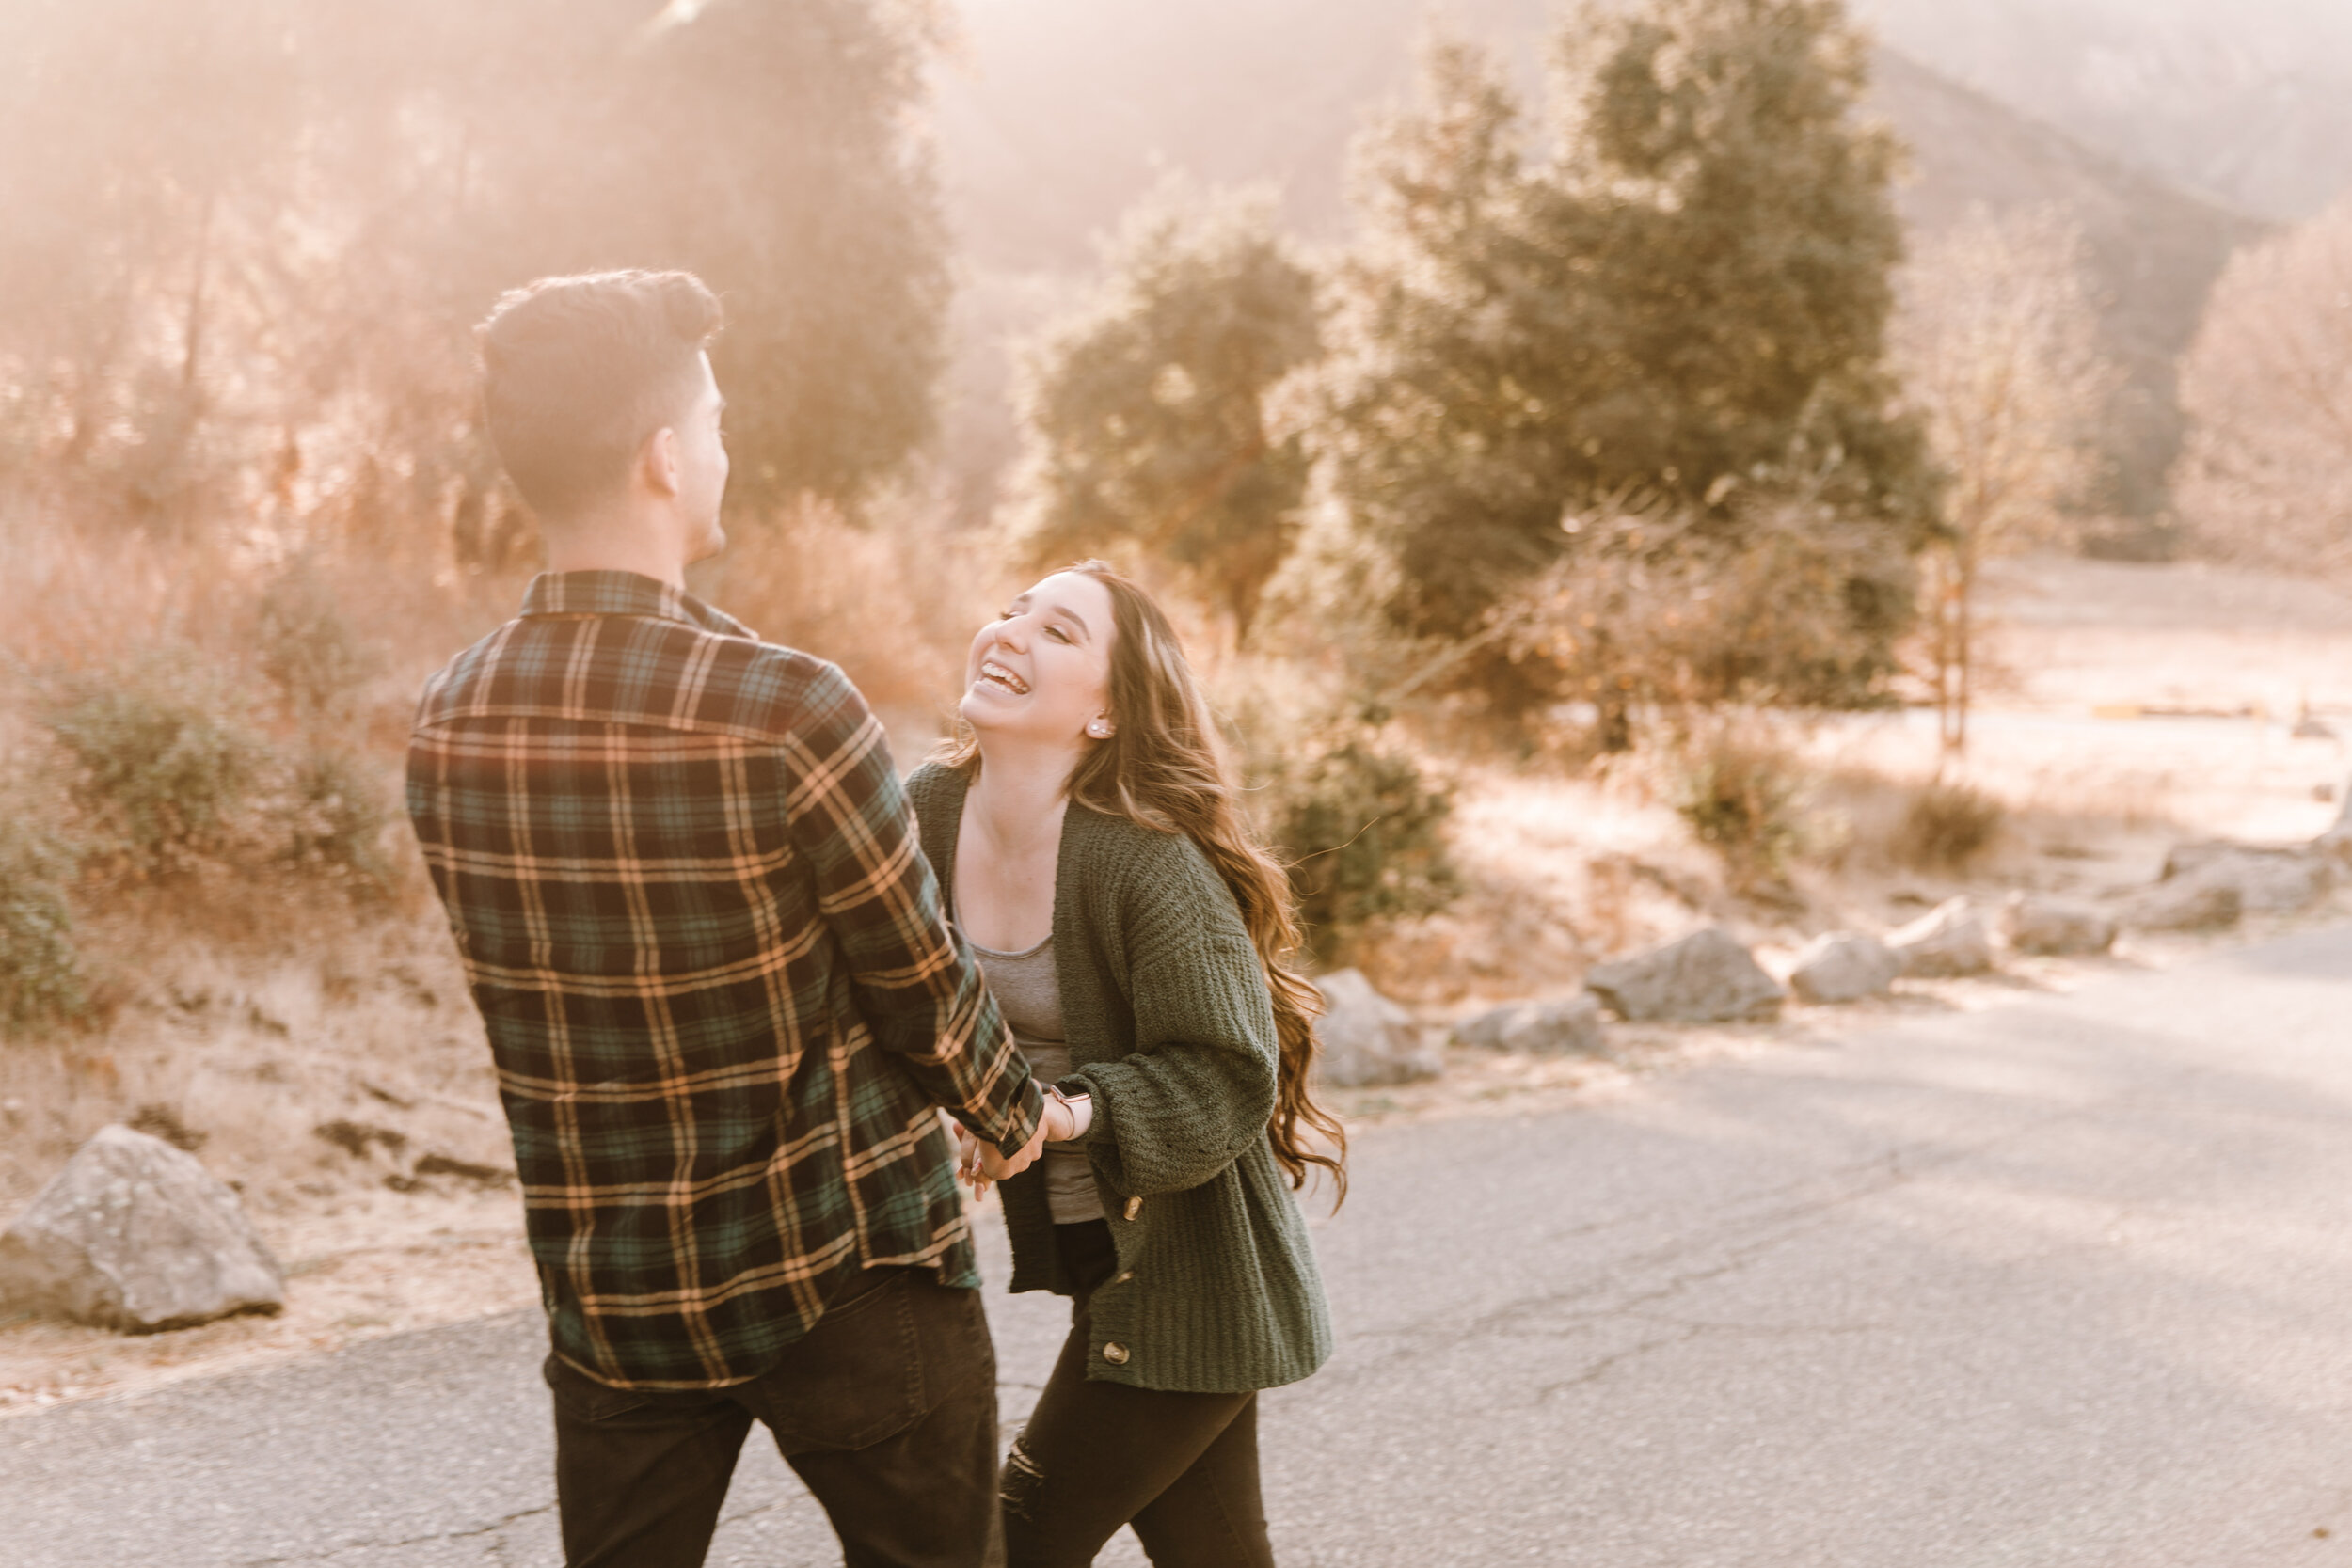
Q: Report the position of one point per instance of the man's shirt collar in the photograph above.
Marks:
(625, 594)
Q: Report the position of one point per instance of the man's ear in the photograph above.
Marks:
(658, 462)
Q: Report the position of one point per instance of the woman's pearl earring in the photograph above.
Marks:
(1099, 729)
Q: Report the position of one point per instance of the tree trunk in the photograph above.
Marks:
(1616, 722)
(195, 299)
(1963, 641)
(1942, 675)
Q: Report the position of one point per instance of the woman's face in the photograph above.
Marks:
(1042, 670)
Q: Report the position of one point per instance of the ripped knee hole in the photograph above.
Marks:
(1022, 1480)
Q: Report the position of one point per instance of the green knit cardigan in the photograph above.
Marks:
(1171, 1031)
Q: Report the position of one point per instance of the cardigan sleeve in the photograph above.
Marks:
(1200, 1087)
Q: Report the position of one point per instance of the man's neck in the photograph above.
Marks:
(606, 544)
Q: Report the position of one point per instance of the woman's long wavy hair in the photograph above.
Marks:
(1162, 767)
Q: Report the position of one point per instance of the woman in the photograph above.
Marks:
(1091, 848)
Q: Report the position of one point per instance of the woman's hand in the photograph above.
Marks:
(1067, 1117)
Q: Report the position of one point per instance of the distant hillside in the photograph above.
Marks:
(1056, 114)
(2157, 250)
(2247, 101)
(1060, 112)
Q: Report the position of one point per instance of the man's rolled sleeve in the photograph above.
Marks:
(916, 983)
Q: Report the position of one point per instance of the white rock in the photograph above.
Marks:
(1844, 966)
(2032, 923)
(2271, 883)
(1367, 1040)
(2336, 843)
(2184, 904)
(1570, 1026)
(1947, 940)
(2271, 879)
(136, 1235)
(1707, 977)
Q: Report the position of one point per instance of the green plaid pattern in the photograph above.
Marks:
(720, 992)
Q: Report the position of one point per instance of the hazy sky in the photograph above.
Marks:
(2285, 34)
(2246, 103)
(2249, 101)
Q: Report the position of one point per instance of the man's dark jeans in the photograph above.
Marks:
(886, 1411)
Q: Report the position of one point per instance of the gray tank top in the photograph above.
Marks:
(1028, 994)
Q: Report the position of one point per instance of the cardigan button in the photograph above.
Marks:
(1123, 1276)
(1135, 1207)
(1116, 1353)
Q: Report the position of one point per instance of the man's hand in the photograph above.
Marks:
(979, 1166)
(995, 1166)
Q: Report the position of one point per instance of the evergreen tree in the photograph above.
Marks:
(766, 146)
(256, 232)
(1147, 418)
(1686, 299)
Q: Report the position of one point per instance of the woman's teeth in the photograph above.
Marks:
(997, 674)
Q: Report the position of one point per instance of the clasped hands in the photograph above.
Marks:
(979, 1163)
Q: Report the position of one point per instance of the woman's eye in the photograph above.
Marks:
(1057, 634)
(1005, 614)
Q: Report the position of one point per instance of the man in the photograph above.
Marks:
(720, 995)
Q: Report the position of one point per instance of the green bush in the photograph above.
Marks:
(1741, 796)
(308, 648)
(1946, 825)
(1362, 827)
(163, 754)
(336, 818)
(40, 972)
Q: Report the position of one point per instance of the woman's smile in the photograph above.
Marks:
(996, 677)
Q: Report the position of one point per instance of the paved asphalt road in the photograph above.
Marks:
(2066, 1283)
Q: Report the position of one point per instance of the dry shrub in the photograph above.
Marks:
(1946, 825)
(332, 815)
(1663, 610)
(1362, 824)
(1741, 793)
(307, 645)
(40, 967)
(1344, 794)
(72, 594)
(165, 757)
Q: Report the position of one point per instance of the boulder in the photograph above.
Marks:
(1707, 977)
(1947, 940)
(2275, 885)
(1570, 1026)
(2336, 843)
(2032, 923)
(1366, 1038)
(1844, 966)
(2184, 904)
(2270, 880)
(136, 1235)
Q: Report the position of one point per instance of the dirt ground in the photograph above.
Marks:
(346, 1087)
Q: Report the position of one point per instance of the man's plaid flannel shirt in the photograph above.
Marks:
(718, 990)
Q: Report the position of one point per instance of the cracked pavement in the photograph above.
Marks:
(2062, 1283)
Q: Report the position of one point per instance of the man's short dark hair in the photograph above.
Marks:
(576, 372)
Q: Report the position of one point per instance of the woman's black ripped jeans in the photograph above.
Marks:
(1182, 1468)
